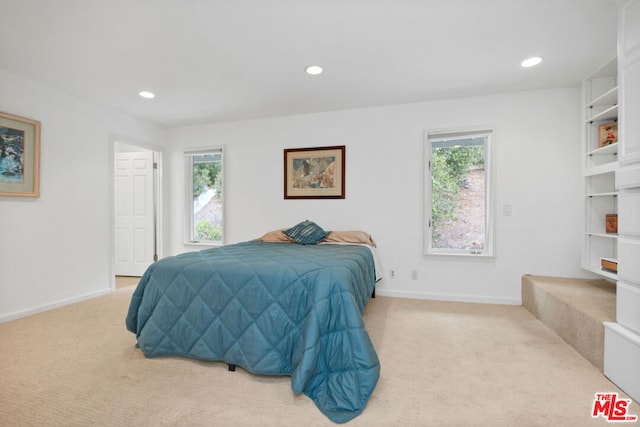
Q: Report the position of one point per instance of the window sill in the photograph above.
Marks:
(203, 244)
(460, 255)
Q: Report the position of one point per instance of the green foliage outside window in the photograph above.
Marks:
(205, 176)
(449, 169)
(205, 230)
(207, 198)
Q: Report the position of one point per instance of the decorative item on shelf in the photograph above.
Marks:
(611, 223)
(609, 264)
(608, 134)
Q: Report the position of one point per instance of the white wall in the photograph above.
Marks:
(57, 249)
(538, 173)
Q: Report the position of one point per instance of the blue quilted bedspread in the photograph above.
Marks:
(272, 308)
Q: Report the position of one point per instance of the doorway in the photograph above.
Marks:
(137, 197)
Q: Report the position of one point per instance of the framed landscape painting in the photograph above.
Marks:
(19, 156)
(314, 173)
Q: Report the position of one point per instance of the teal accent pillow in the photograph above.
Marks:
(306, 233)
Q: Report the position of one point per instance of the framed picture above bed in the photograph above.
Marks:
(314, 173)
(19, 156)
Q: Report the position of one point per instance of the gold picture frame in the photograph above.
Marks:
(19, 156)
(314, 173)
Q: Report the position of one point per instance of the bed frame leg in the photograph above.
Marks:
(232, 367)
(373, 294)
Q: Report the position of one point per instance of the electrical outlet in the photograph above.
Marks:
(393, 274)
(414, 275)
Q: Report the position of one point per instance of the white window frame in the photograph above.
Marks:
(431, 135)
(189, 225)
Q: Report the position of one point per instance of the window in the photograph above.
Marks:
(458, 195)
(205, 196)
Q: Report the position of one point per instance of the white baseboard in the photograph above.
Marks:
(449, 297)
(56, 304)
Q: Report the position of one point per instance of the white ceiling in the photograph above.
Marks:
(220, 60)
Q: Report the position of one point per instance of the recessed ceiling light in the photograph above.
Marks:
(314, 70)
(146, 94)
(530, 62)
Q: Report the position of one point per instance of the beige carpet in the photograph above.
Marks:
(443, 364)
(125, 281)
(575, 309)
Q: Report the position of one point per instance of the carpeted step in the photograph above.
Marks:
(575, 309)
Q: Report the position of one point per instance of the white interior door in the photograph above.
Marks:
(134, 213)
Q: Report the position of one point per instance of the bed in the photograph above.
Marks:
(272, 307)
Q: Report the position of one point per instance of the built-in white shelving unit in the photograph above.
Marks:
(600, 109)
(622, 337)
